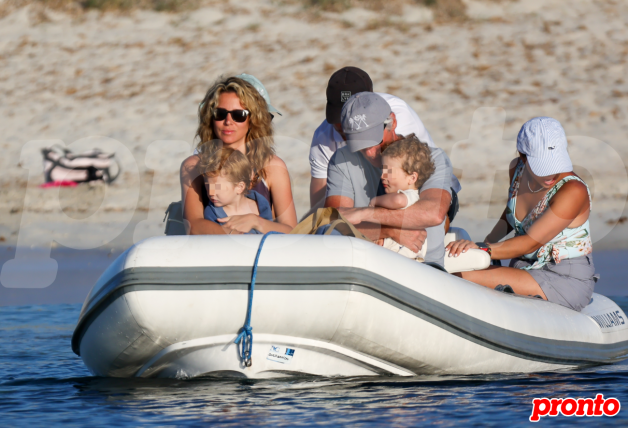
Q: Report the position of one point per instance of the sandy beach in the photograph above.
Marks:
(130, 82)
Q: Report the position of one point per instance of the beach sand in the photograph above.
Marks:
(131, 82)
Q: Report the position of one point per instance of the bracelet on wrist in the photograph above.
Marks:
(485, 247)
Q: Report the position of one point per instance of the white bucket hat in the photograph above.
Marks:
(544, 143)
(257, 84)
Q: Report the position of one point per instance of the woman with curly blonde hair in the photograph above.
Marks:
(235, 115)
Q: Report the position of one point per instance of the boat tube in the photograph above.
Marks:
(172, 306)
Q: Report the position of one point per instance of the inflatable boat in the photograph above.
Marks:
(174, 306)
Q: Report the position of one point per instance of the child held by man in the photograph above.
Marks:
(227, 174)
(406, 166)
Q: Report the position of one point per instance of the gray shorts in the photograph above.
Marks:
(569, 283)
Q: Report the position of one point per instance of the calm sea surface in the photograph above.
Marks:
(42, 383)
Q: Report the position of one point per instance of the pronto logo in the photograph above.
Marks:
(574, 407)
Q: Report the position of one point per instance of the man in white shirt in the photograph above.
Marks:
(328, 137)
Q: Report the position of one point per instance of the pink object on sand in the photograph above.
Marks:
(63, 183)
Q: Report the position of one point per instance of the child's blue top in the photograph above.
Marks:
(213, 213)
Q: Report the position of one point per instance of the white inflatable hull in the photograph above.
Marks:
(323, 305)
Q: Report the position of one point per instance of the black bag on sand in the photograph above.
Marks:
(174, 219)
(60, 164)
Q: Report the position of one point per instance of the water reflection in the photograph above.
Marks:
(400, 401)
(43, 383)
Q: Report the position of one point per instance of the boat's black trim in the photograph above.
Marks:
(360, 280)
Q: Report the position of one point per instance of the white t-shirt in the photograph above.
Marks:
(412, 195)
(391, 244)
(327, 140)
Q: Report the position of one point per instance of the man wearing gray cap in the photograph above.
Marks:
(329, 137)
(353, 179)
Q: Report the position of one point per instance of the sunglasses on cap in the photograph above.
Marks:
(239, 116)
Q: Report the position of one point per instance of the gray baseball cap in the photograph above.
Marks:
(260, 88)
(362, 118)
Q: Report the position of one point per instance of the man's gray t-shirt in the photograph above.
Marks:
(352, 175)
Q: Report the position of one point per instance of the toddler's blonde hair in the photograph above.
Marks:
(415, 155)
(228, 162)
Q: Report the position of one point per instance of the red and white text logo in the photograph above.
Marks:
(599, 406)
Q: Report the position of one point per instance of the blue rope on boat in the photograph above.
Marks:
(246, 334)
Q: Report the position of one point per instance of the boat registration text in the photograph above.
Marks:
(280, 354)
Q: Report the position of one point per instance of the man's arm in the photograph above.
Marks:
(429, 211)
(318, 186)
(412, 239)
(322, 149)
(337, 201)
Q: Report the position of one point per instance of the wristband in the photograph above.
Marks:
(485, 247)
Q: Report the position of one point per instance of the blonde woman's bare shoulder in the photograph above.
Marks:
(189, 166)
(276, 170)
(276, 161)
(190, 162)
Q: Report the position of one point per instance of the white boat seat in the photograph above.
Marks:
(471, 260)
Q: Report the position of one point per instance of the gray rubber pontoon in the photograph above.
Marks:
(323, 305)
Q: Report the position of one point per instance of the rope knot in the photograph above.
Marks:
(246, 348)
(246, 333)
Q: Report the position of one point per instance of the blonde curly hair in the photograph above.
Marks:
(259, 139)
(228, 162)
(415, 155)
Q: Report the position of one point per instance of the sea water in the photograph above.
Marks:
(43, 383)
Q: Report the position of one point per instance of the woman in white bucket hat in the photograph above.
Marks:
(548, 208)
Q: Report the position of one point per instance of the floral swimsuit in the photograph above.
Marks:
(569, 243)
